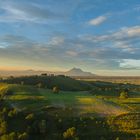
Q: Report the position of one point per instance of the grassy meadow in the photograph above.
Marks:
(32, 98)
(102, 112)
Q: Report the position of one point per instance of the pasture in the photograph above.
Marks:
(101, 111)
(30, 98)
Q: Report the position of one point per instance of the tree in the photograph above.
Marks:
(23, 136)
(40, 85)
(30, 117)
(55, 89)
(12, 136)
(42, 126)
(22, 83)
(44, 74)
(117, 138)
(12, 113)
(70, 133)
(4, 137)
(3, 127)
(124, 95)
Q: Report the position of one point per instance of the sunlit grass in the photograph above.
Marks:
(32, 98)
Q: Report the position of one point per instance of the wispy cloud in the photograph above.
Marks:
(72, 53)
(124, 43)
(97, 21)
(56, 41)
(130, 64)
(104, 51)
(16, 12)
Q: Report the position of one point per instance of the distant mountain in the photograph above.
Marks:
(78, 72)
(72, 72)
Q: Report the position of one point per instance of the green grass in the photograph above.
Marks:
(81, 109)
(63, 82)
(78, 103)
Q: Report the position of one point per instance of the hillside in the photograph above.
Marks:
(63, 82)
(31, 98)
(95, 115)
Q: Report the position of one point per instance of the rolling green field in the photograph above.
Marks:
(99, 112)
(32, 98)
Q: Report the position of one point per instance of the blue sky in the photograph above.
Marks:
(101, 36)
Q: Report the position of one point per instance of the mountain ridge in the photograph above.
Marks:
(78, 72)
(72, 72)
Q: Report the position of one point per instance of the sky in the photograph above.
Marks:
(100, 36)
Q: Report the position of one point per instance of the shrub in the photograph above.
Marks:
(12, 136)
(40, 85)
(117, 138)
(22, 83)
(5, 91)
(4, 110)
(29, 117)
(42, 126)
(12, 113)
(55, 89)
(4, 137)
(124, 95)
(3, 127)
(23, 136)
(69, 133)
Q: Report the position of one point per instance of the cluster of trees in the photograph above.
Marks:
(5, 92)
(49, 81)
(55, 89)
(30, 124)
(126, 123)
(124, 93)
(120, 92)
(53, 127)
(6, 115)
(15, 136)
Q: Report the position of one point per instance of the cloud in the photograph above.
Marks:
(97, 21)
(27, 12)
(123, 43)
(57, 40)
(106, 51)
(123, 34)
(130, 64)
(72, 53)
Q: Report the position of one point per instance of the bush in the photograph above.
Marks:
(69, 133)
(124, 95)
(4, 137)
(29, 117)
(3, 127)
(5, 91)
(40, 85)
(23, 136)
(12, 136)
(55, 89)
(42, 126)
(4, 110)
(12, 113)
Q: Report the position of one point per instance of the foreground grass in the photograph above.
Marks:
(79, 103)
(122, 115)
